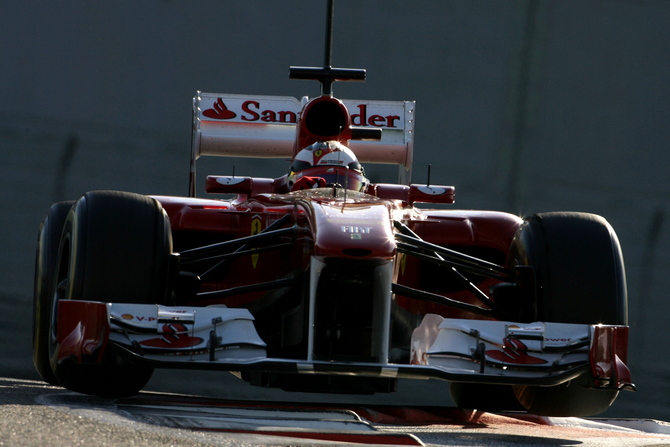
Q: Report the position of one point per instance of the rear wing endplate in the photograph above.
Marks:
(265, 127)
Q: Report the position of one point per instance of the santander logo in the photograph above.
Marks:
(251, 111)
(283, 112)
(219, 111)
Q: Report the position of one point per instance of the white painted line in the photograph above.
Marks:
(247, 412)
(642, 425)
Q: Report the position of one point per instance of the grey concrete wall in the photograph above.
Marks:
(523, 106)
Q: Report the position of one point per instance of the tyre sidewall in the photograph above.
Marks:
(49, 237)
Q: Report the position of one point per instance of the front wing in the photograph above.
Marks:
(221, 338)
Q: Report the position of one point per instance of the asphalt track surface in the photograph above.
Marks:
(32, 413)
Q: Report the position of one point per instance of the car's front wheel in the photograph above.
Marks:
(115, 248)
(580, 279)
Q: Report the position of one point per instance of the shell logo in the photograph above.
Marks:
(127, 317)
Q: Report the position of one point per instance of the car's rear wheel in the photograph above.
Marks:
(115, 248)
(48, 241)
(580, 278)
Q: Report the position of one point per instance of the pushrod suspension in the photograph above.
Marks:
(265, 237)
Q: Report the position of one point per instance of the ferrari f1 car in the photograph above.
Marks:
(320, 280)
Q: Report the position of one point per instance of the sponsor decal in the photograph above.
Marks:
(175, 335)
(361, 118)
(514, 351)
(330, 162)
(140, 318)
(355, 229)
(281, 110)
(219, 111)
(251, 111)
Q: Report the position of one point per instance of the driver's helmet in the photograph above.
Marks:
(326, 164)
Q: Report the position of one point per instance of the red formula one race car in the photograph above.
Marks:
(322, 281)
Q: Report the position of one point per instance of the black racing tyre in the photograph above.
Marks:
(115, 248)
(48, 241)
(580, 278)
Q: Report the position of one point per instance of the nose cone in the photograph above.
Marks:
(353, 230)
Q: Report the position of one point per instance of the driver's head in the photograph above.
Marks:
(326, 164)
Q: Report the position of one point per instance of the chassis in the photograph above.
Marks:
(328, 289)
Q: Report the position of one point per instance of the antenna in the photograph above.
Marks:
(346, 185)
(329, 34)
(328, 75)
(428, 179)
(337, 173)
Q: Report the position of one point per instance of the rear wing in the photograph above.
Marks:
(265, 127)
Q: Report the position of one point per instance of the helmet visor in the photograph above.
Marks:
(346, 178)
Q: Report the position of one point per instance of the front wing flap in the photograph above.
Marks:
(221, 338)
